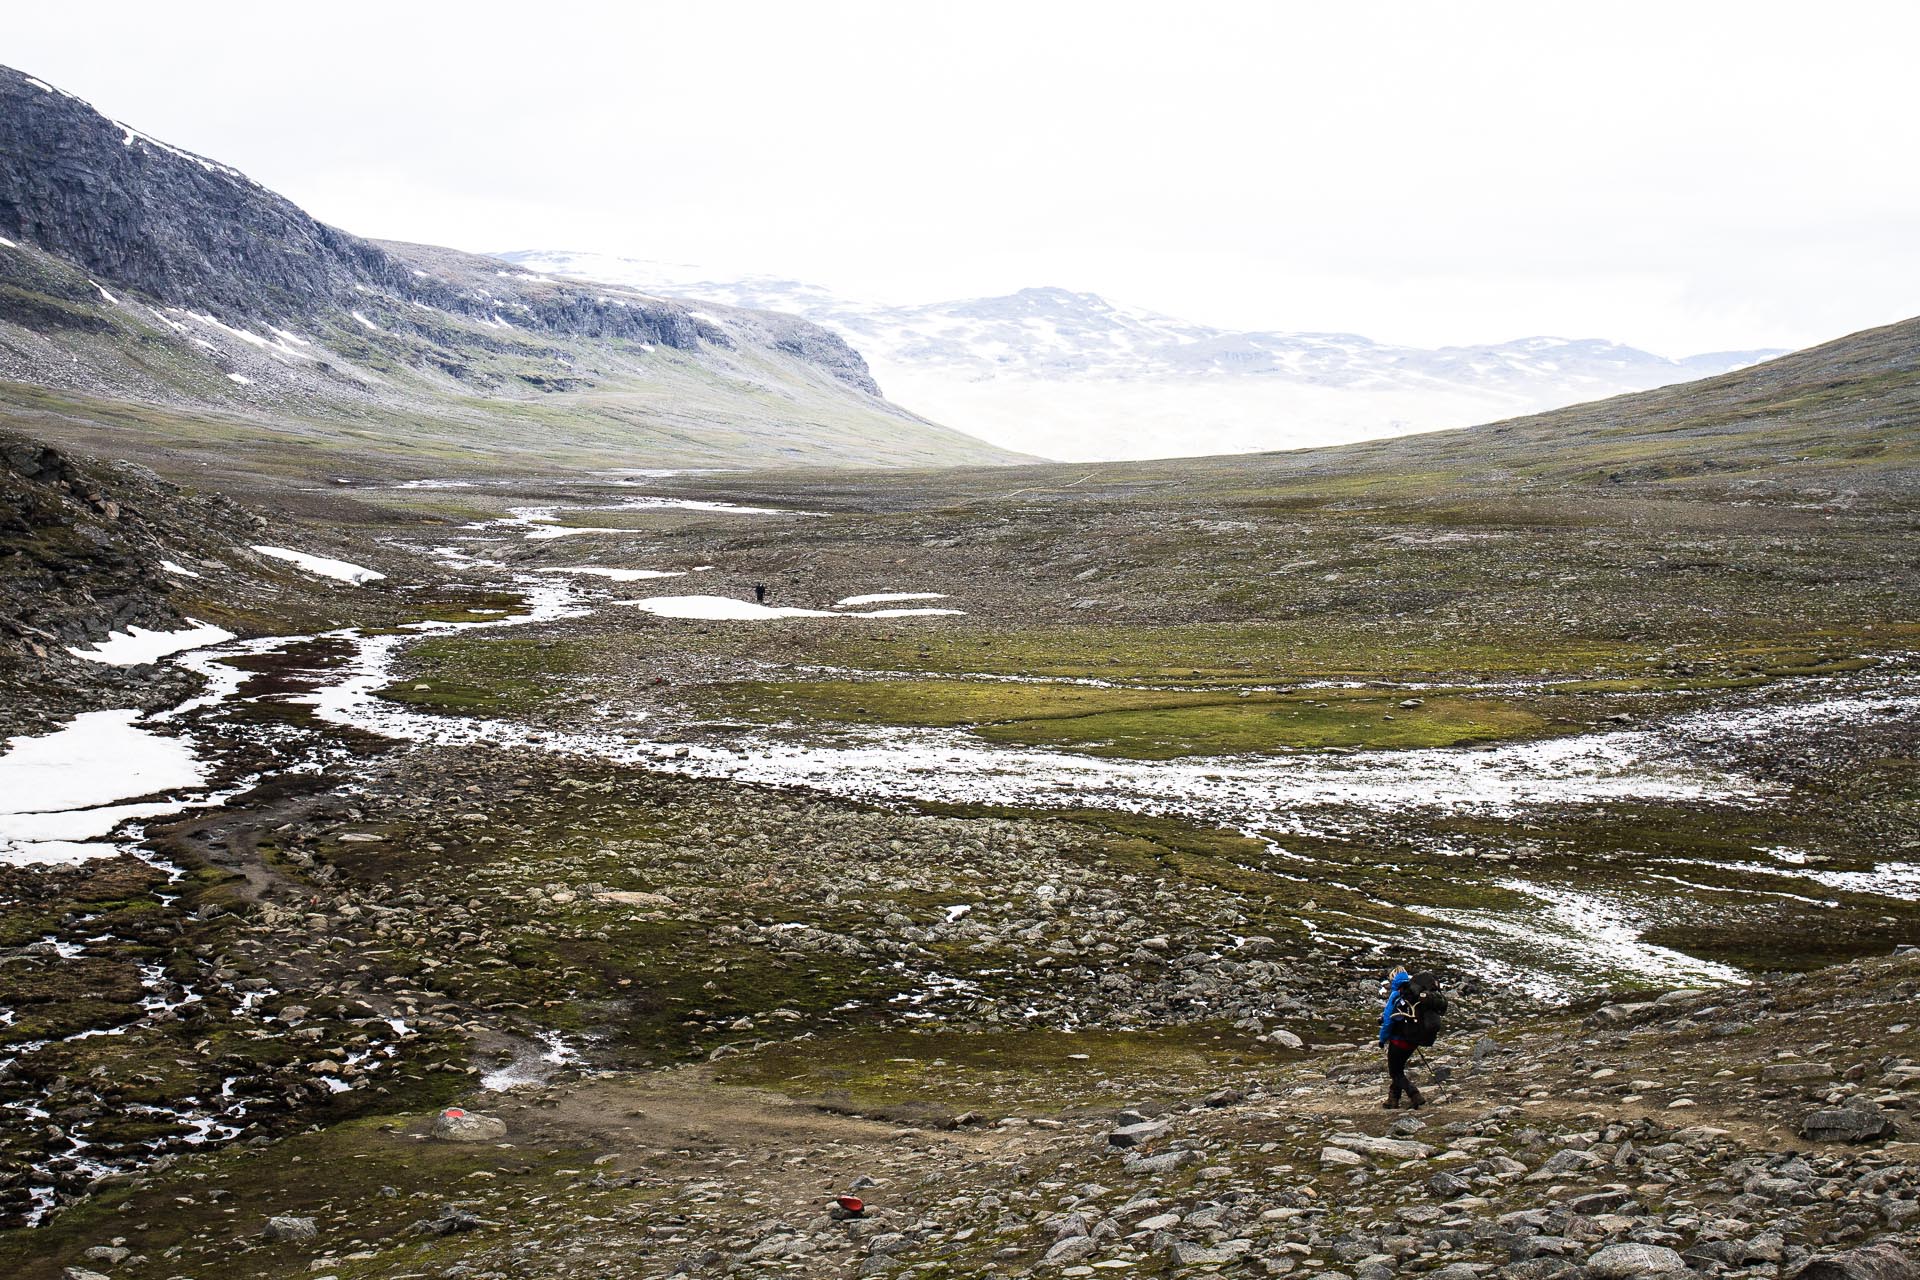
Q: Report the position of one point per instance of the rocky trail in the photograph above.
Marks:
(1048, 1010)
(1679, 1136)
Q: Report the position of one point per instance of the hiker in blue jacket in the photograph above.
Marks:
(1399, 1033)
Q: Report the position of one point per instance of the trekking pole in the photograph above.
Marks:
(1420, 1057)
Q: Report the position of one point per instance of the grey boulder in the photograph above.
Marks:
(1625, 1261)
(456, 1125)
(1845, 1124)
(289, 1228)
(1875, 1262)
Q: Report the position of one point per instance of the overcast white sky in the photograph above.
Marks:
(1681, 176)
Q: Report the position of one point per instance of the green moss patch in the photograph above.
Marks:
(1146, 724)
(925, 1075)
(363, 1179)
(484, 674)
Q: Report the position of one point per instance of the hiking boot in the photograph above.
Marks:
(1392, 1104)
(1415, 1099)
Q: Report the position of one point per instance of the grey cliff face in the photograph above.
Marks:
(189, 232)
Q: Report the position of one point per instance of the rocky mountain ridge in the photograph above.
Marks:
(133, 211)
(89, 548)
(134, 269)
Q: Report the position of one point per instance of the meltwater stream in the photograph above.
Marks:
(1565, 934)
(1582, 935)
(76, 794)
(1270, 795)
(57, 804)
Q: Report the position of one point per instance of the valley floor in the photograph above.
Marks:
(1020, 813)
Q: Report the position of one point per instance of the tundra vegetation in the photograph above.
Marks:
(1051, 927)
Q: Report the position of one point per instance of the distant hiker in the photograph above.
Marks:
(1411, 1019)
(759, 593)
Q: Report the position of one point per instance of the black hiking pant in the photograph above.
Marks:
(1397, 1056)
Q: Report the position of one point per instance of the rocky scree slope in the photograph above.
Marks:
(80, 553)
(88, 548)
(240, 297)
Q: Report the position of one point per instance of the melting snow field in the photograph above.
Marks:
(1303, 794)
(549, 532)
(323, 567)
(532, 1065)
(721, 609)
(886, 597)
(1587, 930)
(727, 609)
(1891, 879)
(541, 524)
(619, 575)
(690, 504)
(905, 613)
(60, 790)
(136, 645)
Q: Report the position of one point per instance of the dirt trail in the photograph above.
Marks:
(229, 838)
(682, 1119)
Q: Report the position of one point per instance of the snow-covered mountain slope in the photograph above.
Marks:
(1074, 376)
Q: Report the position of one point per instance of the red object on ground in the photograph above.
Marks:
(852, 1204)
(455, 1112)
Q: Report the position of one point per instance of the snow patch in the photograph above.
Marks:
(722, 609)
(542, 523)
(60, 789)
(240, 378)
(283, 343)
(133, 135)
(532, 1065)
(323, 566)
(617, 575)
(727, 609)
(138, 645)
(885, 596)
(548, 533)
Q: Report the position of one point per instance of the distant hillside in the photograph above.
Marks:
(1833, 428)
(131, 269)
(1824, 425)
(1072, 375)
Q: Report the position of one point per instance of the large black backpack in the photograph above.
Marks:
(1429, 1003)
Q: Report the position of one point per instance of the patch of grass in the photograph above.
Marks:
(1218, 653)
(218, 1200)
(475, 674)
(1279, 651)
(903, 1073)
(1147, 724)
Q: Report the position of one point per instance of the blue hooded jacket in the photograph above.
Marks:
(1393, 996)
